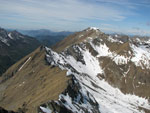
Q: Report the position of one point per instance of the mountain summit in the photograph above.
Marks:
(78, 37)
(88, 71)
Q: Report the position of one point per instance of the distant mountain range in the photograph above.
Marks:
(45, 36)
(49, 40)
(14, 46)
(44, 32)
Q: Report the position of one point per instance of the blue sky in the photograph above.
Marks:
(121, 16)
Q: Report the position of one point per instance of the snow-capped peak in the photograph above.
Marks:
(93, 28)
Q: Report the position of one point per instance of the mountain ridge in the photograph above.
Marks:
(113, 68)
(99, 73)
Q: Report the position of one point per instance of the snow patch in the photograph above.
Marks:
(141, 56)
(24, 63)
(111, 39)
(10, 36)
(116, 35)
(91, 65)
(93, 28)
(120, 59)
(4, 40)
(103, 50)
(45, 110)
(81, 36)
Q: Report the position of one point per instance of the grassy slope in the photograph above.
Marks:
(34, 84)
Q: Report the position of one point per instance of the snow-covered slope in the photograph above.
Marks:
(105, 74)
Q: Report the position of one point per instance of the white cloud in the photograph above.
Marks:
(131, 31)
(68, 10)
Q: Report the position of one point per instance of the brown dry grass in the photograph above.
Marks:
(34, 84)
(75, 39)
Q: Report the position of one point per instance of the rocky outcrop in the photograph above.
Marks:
(73, 91)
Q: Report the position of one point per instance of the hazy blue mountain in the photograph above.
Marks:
(45, 36)
(49, 40)
(44, 32)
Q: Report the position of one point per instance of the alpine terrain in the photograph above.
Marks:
(87, 72)
(14, 46)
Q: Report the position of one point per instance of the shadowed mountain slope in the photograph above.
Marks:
(13, 47)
